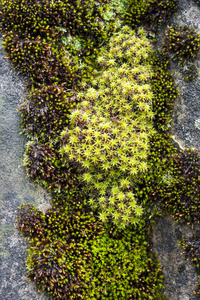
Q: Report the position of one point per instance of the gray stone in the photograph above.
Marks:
(180, 278)
(15, 189)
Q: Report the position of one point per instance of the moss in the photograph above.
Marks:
(124, 92)
(46, 111)
(150, 12)
(124, 264)
(110, 118)
(59, 261)
(184, 198)
(45, 165)
(191, 247)
(164, 90)
(37, 59)
(31, 221)
(181, 42)
(76, 256)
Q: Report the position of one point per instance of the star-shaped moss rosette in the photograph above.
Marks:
(110, 130)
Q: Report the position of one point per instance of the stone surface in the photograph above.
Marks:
(15, 189)
(180, 278)
(187, 107)
(186, 112)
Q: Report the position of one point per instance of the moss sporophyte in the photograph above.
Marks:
(97, 118)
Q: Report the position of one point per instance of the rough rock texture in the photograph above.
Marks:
(180, 278)
(15, 189)
(186, 114)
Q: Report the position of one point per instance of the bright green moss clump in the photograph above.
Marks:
(110, 130)
(124, 264)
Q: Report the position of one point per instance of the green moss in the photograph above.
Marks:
(109, 132)
(59, 261)
(45, 165)
(164, 90)
(124, 265)
(150, 12)
(46, 111)
(37, 58)
(181, 42)
(191, 247)
(76, 256)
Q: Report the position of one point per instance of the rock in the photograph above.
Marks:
(15, 189)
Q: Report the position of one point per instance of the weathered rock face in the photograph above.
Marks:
(15, 189)
(180, 278)
(186, 115)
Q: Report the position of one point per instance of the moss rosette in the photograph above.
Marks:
(110, 130)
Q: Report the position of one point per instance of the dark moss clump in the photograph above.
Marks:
(77, 257)
(181, 42)
(184, 197)
(150, 12)
(59, 260)
(26, 17)
(46, 111)
(39, 60)
(192, 249)
(191, 246)
(45, 165)
(172, 184)
(31, 221)
(44, 17)
(33, 32)
(165, 92)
